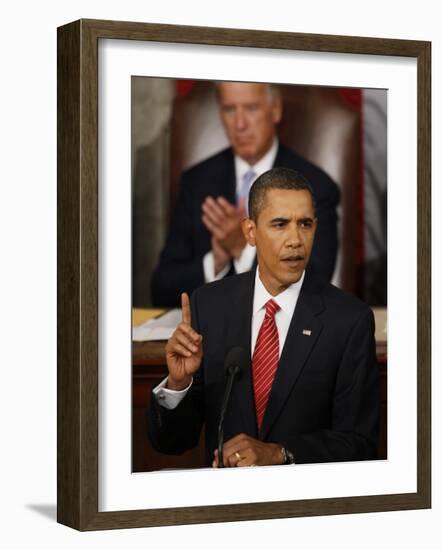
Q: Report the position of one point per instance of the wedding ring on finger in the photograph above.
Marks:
(238, 456)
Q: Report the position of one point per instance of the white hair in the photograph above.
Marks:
(273, 89)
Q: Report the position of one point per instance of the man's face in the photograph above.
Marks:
(283, 235)
(249, 113)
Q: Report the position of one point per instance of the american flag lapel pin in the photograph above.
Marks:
(307, 332)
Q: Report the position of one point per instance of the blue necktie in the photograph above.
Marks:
(247, 181)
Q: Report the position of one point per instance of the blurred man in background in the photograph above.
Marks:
(205, 241)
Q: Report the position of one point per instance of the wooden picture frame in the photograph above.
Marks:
(77, 224)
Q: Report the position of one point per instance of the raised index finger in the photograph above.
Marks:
(185, 305)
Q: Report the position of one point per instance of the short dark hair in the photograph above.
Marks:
(276, 178)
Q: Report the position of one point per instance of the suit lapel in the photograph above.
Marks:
(302, 336)
(231, 178)
(227, 178)
(279, 157)
(239, 334)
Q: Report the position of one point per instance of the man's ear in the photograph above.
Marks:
(277, 109)
(249, 231)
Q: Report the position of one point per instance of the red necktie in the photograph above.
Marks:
(265, 360)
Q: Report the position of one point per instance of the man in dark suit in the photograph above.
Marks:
(205, 241)
(311, 393)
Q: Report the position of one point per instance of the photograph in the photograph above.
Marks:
(197, 149)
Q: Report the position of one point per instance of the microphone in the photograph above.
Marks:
(236, 361)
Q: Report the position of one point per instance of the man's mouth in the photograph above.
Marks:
(243, 140)
(294, 259)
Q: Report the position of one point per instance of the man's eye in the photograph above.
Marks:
(306, 223)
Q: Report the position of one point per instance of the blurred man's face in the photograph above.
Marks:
(249, 113)
(283, 235)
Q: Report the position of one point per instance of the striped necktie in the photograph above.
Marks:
(265, 360)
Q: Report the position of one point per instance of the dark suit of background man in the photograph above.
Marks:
(322, 403)
(205, 242)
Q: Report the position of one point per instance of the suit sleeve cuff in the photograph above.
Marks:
(245, 261)
(167, 398)
(209, 269)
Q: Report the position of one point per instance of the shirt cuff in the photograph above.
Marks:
(209, 269)
(167, 398)
(245, 261)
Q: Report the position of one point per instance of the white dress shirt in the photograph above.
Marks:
(286, 300)
(245, 261)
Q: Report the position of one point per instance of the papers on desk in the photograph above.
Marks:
(160, 328)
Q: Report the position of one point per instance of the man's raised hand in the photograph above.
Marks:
(184, 350)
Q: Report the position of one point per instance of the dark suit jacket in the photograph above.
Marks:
(323, 404)
(180, 267)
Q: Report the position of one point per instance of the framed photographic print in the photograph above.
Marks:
(130, 101)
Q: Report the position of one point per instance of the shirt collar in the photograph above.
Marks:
(264, 164)
(286, 300)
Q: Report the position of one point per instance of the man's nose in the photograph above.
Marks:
(240, 120)
(293, 237)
